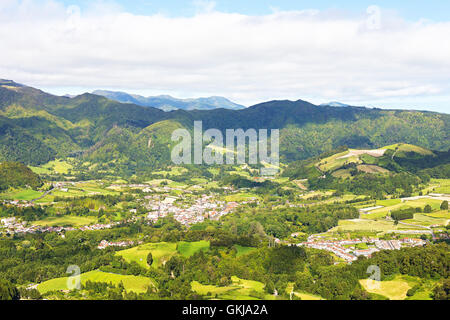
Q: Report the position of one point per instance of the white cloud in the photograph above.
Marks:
(297, 54)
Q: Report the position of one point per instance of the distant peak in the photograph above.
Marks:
(334, 104)
(6, 82)
(167, 102)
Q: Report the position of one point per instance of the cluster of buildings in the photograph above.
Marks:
(398, 244)
(345, 248)
(99, 226)
(203, 208)
(105, 244)
(13, 226)
(18, 203)
(336, 247)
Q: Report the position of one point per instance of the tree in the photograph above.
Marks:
(444, 205)
(149, 259)
(427, 209)
(8, 291)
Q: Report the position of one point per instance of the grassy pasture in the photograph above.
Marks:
(394, 289)
(55, 166)
(397, 287)
(137, 284)
(379, 226)
(241, 196)
(336, 161)
(240, 289)
(371, 169)
(396, 204)
(188, 249)
(243, 250)
(440, 218)
(21, 194)
(66, 220)
(301, 294)
(161, 251)
(442, 185)
(403, 148)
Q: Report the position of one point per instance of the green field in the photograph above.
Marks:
(442, 185)
(396, 204)
(161, 251)
(240, 289)
(243, 250)
(388, 202)
(403, 148)
(21, 194)
(301, 294)
(137, 284)
(74, 221)
(440, 218)
(242, 196)
(397, 287)
(378, 226)
(394, 289)
(188, 249)
(56, 166)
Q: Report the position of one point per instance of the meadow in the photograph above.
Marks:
(243, 250)
(67, 220)
(240, 289)
(301, 294)
(397, 204)
(396, 287)
(378, 226)
(161, 251)
(442, 185)
(21, 194)
(55, 166)
(393, 289)
(137, 284)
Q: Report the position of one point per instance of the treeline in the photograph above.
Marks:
(403, 214)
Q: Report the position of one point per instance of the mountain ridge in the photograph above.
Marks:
(36, 127)
(169, 103)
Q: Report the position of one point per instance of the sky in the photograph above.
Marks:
(388, 54)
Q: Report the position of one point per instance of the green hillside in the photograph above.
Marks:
(36, 127)
(397, 169)
(14, 174)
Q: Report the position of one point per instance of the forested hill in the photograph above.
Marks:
(36, 127)
(14, 174)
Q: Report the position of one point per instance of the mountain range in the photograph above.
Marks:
(36, 127)
(168, 103)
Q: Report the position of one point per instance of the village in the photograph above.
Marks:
(203, 208)
(13, 226)
(348, 251)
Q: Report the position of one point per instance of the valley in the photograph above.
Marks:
(89, 182)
